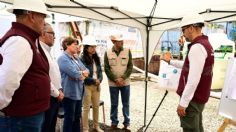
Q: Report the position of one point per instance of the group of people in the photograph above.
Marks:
(81, 78)
(32, 83)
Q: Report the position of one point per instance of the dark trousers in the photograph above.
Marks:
(51, 116)
(72, 115)
(192, 121)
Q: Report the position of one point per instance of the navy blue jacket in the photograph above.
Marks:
(89, 80)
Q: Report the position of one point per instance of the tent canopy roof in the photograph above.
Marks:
(166, 14)
(151, 17)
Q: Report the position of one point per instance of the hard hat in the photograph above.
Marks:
(191, 19)
(89, 40)
(30, 5)
(116, 37)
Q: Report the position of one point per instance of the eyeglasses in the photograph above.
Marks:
(185, 27)
(52, 33)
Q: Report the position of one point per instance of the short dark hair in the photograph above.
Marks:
(19, 12)
(68, 41)
(199, 25)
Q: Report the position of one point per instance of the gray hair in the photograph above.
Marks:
(46, 26)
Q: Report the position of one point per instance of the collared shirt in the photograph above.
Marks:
(71, 69)
(54, 71)
(17, 58)
(109, 73)
(197, 56)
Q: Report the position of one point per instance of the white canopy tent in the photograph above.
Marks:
(152, 17)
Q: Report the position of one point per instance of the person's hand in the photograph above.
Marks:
(61, 96)
(181, 111)
(85, 73)
(181, 41)
(82, 77)
(166, 57)
(117, 83)
(120, 82)
(97, 82)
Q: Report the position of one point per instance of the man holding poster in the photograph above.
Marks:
(196, 75)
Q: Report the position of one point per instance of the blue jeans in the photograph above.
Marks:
(50, 120)
(22, 124)
(114, 95)
(72, 115)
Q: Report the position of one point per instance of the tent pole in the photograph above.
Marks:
(146, 70)
(156, 110)
(148, 27)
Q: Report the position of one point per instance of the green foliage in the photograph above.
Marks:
(215, 26)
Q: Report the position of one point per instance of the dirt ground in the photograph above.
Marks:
(165, 119)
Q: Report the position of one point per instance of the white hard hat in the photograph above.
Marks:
(30, 5)
(89, 40)
(117, 37)
(191, 19)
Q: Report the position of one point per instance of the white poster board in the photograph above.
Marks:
(168, 77)
(227, 106)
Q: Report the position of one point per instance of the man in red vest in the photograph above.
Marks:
(196, 76)
(24, 70)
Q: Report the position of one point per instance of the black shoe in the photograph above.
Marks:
(126, 129)
(114, 127)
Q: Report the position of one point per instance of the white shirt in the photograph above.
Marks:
(54, 71)
(95, 76)
(17, 58)
(197, 56)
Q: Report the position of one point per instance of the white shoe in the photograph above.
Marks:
(98, 129)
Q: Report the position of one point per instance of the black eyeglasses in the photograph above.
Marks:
(185, 27)
(52, 33)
